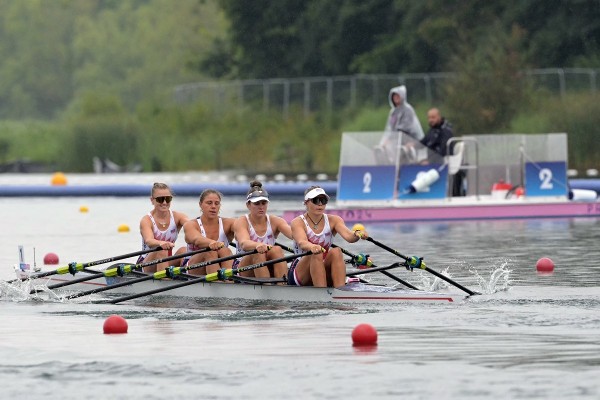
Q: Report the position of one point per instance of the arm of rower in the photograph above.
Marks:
(340, 227)
(240, 228)
(281, 226)
(180, 218)
(193, 235)
(299, 236)
(148, 234)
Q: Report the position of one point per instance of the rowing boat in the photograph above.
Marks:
(354, 292)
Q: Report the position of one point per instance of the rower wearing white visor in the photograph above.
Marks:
(258, 231)
(314, 231)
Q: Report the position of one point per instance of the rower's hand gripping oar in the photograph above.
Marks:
(170, 272)
(74, 267)
(359, 257)
(417, 262)
(221, 274)
(122, 269)
(363, 259)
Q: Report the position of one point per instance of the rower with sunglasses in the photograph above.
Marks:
(160, 227)
(314, 231)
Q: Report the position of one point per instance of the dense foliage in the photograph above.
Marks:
(321, 37)
(89, 78)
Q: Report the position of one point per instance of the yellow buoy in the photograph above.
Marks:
(59, 179)
(83, 209)
(358, 227)
(123, 228)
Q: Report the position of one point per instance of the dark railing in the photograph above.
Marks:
(333, 93)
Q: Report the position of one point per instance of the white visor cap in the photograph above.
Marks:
(315, 193)
(257, 196)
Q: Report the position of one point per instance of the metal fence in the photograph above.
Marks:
(332, 93)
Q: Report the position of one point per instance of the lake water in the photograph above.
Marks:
(528, 336)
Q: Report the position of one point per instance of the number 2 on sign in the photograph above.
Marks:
(545, 176)
(367, 182)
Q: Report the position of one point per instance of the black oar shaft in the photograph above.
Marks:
(450, 281)
(157, 275)
(383, 271)
(81, 266)
(133, 267)
(374, 269)
(386, 247)
(209, 278)
(422, 265)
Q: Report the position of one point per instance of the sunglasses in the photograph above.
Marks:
(162, 199)
(319, 200)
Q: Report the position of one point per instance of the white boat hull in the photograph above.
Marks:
(351, 293)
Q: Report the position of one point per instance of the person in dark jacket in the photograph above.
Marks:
(440, 131)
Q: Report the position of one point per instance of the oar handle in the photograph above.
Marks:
(284, 247)
(269, 262)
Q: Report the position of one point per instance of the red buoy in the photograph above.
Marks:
(115, 324)
(50, 259)
(544, 265)
(364, 335)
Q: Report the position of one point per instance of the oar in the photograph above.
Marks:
(222, 274)
(373, 268)
(376, 269)
(170, 272)
(383, 271)
(124, 269)
(416, 262)
(75, 267)
(289, 249)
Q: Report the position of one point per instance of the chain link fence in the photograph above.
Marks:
(333, 93)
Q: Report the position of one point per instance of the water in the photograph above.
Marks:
(528, 336)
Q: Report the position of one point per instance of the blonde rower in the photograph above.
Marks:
(160, 227)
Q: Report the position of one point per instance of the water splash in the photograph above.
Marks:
(26, 290)
(17, 291)
(498, 280)
(432, 283)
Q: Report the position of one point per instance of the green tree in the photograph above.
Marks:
(489, 87)
(36, 67)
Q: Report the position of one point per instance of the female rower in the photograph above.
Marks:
(314, 231)
(209, 230)
(258, 230)
(160, 227)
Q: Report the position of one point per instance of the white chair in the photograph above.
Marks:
(455, 160)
